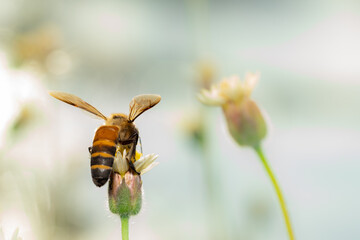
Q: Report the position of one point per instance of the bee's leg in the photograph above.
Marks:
(131, 164)
(90, 150)
(131, 154)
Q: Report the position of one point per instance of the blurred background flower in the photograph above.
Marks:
(244, 119)
(245, 122)
(108, 52)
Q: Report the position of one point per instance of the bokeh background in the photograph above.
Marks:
(206, 187)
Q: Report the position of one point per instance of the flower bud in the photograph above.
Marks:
(245, 122)
(125, 193)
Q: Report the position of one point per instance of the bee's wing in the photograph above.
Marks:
(141, 103)
(76, 102)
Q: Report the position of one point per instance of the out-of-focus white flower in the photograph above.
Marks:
(14, 236)
(15, 225)
(244, 119)
(229, 89)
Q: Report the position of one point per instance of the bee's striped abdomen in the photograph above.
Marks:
(102, 153)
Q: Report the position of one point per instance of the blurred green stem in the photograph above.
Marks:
(125, 228)
(214, 202)
(278, 191)
(213, 223)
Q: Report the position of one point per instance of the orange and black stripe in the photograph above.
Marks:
(103, 153)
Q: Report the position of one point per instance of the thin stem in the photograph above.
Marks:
(125, 228)
(278, 191)
(212, 198)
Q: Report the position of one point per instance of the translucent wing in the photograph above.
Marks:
(141, 103)
(76, 102)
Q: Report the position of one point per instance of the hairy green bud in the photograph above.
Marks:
(245, 122)
(125, 194)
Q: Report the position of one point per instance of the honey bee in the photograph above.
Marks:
(117, 134)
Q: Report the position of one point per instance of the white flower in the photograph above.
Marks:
(145, 164)
(229, 89)
(14, 236)
(142, 165)
(120, 164)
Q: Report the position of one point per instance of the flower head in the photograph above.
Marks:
(142, 163)
(245, 121)
(229, 89)
(125, 193)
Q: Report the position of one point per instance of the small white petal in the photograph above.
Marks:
(144, 162)
(211, 98)
(231, 88)
(149, 167)
(234, 81)
(120, 164)
(250, 81)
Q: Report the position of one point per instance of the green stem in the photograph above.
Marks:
(278, 191)
(125, 228)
